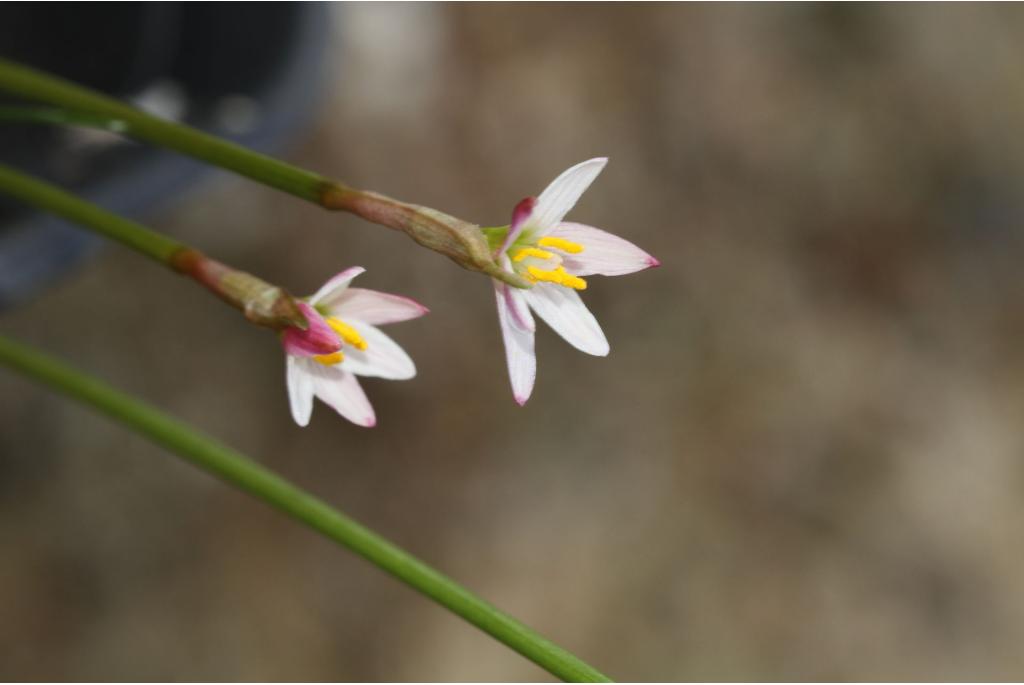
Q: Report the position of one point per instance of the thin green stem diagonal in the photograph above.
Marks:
(459, 240)
(262, 303)
(241, 472)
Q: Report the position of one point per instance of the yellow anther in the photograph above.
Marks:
(574, 282)
(531, 252)
(557, 276)
(560, 244)
(347, 333)
(330, 359)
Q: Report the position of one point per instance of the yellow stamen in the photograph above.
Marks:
(557, 276)
(574, 282)
(330, 359)
(531, 252)
(560, 244)
(347, 333)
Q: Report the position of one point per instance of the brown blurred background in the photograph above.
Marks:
(803, 458)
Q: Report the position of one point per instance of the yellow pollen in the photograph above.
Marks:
(531, 252)
(557, 276)
(330, 359)
(347, 333)
(561, 244)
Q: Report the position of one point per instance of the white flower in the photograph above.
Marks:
(343, 342)
(554, 254)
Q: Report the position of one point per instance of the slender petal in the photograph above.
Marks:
(375, 307)
(317, 339)
(340, 390)
(563, 310)
(335, 287)
(603, 253)
(518, 309)
(519, 353)
(300, 389)
(562, 194)
(382, 357)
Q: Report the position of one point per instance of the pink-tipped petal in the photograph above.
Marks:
(319, 338)
(375, 307)
(335, 286)
(300, 389)
(562, 195)
(382, 358)
(603, 253)
(340, 390)
(519, 353)
(563, 310)
(520, 216)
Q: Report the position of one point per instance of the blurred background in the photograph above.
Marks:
(803, 458)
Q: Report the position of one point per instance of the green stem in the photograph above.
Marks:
(262, 303)
(457, 239)
(236, 469)
(50, 198)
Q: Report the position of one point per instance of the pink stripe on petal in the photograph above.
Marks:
(520, 216)
(518, 309)
(319, 338)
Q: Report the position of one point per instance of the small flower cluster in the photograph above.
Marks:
(343, 340)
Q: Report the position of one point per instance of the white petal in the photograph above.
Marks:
(382, 357)
(522, 362)
(518, 310)
(335, 287)
(603, 253)
(563, 310)
(300, 389)
(562, 194)
(375, 307)
(340, 390)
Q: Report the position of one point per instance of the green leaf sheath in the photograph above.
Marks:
(241, 472)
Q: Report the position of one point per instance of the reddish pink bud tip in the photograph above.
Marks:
(522, 212)
(653, 261)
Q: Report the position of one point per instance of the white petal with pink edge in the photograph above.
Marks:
(340, 390)
(300, 389)
(563, 310)
(519, 352)
(374, 307)
(335, 287)
(603, 253)
(562, 195)
(382, 358)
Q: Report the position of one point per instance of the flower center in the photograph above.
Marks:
(539, 265)
(348, 334)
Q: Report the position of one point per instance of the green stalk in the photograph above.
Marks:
(262, 303)
(241, 472)
(457, 239)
